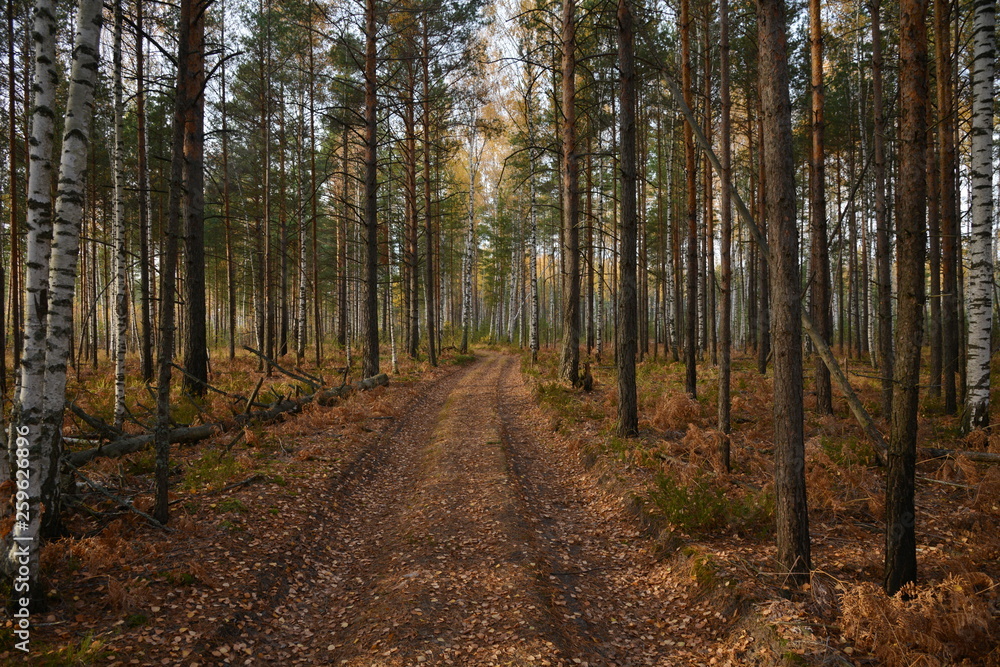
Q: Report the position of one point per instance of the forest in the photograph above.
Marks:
(481, 332)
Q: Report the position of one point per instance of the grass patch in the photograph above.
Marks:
(848, 451)
(233, 505)
(700, 506)
(213, 468)
(463, 359)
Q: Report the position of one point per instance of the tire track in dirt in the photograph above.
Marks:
(302, 558)
(465, 539)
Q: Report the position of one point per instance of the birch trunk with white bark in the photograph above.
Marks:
(469, 245)
(980, 290)
(121, 304)
(27, 418)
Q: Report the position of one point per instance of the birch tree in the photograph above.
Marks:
(980, 290)
(121, 303)
(470, 236)
(53, 241)
(30, 400)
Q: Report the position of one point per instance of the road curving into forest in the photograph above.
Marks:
(472, 537)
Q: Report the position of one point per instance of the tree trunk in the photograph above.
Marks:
(628, 419)
(900, 542)
(709, 301)
(763, 270)
(691, 325)
(33, 454)
(118, 160)
(789, 453)
(410, 197)
(195, 343)
(819, 268)
(947, 202)
(467, 255)
(369, 319)
(979, 300)
(429, 299)
(226, 212)
(882, 250)
(145, 252)
(726, 221)
(168, 268)
(569, 367)
(65, 247)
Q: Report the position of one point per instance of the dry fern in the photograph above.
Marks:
(940, 624)
(675, 411)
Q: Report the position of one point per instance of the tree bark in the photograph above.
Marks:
(947, 161)
(29, 409)
(168, 268)
(569, 368)
(628, 419)
(882, 250)
(819, 268)
(369, 313)
(691, 323)
(789, 452)
(193, 202)
(725, 249)
(429, 299)
(145, 253)
(900, 542)
(979, 301)
(118, 160)
(65, 247)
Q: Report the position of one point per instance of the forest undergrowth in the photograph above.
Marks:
(719, 524)
(118, 584)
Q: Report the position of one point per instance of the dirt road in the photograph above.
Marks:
(469, 540)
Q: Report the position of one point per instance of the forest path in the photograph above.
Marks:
(470, 541)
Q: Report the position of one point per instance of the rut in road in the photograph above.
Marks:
(474, 542)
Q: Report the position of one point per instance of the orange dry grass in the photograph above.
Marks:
(947, 623)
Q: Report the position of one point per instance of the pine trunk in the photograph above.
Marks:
(369, 313)
(900, 542)
(569, 368)
(819, 268)
(789, 453)
(628, 419)
(195, 342)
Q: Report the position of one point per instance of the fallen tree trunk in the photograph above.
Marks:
(128, 445)
(981, 457)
